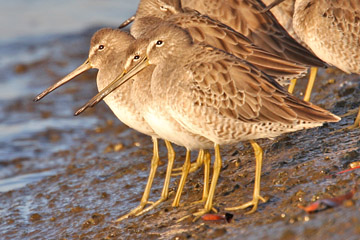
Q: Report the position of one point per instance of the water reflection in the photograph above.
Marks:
(36, 49)
(12, 183)
(44, 17)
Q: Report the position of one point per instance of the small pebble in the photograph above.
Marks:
(35, 217)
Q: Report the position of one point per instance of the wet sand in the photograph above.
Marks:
(66, 177)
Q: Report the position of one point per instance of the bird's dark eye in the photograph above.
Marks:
(163, 8)
(136, 57)
(159, 43)
(101, 47)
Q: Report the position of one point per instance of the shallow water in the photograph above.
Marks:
(66, 177)
(33, 53)
(19, 181)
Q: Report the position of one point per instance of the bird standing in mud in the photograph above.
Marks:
(330, 29)
(217, 96)
(272, 61)
(107, 54)
(245, 17)
(315, 20)
(212, 32)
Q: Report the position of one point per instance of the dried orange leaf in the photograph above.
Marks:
(328, 202)
(216, 217)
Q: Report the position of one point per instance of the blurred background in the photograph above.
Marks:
(40, 42)
(67, 177)
(22, 20)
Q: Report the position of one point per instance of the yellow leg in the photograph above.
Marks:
(216, 172)
(350, 112)
(357, 121)
(165, 191)
(194, 166)
(292, 85)
(207, 160)
(256, 195)
(186, 169)
(145, 197)
(310, 85)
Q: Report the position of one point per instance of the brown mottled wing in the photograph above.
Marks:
(211, 32)
(344, 21)
(263, 29)
(235, 89)
(345, 16)
(283, 13)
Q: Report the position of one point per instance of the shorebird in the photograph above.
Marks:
(284, 12)
(262, 28)
(107, 54)
(243, 16)
(141, 96)
(157, 117)
(209, 31)
(206, 30)
(216, 95)
(332, 31)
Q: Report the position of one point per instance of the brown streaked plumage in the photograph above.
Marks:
(332, 30)
(156, 116)
(248, 17)
(107, 54)
(261, 28)
(110, 60)
(208, 31)
(284, 12)
(215, 95)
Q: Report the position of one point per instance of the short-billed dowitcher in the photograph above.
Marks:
(332, 30)
(206, 30)
(245, 17)
(107, 54)
(213, 94)
(157, 117)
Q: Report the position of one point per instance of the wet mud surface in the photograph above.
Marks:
(66, 177)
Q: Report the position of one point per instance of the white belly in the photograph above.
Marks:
(168, 128)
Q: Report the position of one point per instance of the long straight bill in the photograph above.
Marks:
(120, 80)
(127, 22)
(82, 68)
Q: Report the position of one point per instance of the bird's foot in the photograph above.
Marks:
(203, 200)
(135, 211)
(152, 206)
(350, 112)
(197, 214)
(354, 126)
(254, 203)
(178, 171)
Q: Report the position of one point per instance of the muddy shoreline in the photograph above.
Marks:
(81, 173)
